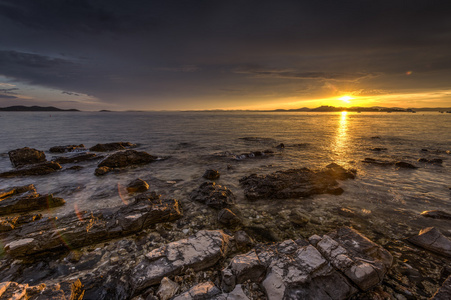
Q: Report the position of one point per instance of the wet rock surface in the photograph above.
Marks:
(295, 183)
(432, 239)
(213, 195)
(25, 199)
(137, 186)
(126, 158)
(444, 293)
(85, 228)
(67, 148)
(397, 164)
(76, 158)
(112, 146)
(436, 214)
(44, 168)
(26, 156)
(211, 174)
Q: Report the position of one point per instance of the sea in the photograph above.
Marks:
(188, 143)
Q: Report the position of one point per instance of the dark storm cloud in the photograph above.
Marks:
(147, 52)
(70, 93)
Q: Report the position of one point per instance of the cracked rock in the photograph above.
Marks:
(433, 240)
(199, 252)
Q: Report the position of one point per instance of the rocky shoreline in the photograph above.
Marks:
(206, 246)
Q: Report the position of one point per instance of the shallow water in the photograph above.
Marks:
(196, 141)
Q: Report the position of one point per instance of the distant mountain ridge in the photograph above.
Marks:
(34, 108)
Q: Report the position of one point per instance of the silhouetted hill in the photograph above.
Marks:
(34, 108)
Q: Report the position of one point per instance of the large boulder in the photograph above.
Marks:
(44, 168)
(433, 240)
(83, 228)
(295, 183)
(26, 156)
(199, 252)
(213, 195)
(112, 147)
(125, 159)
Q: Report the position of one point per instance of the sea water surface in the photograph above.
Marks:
(192, 142)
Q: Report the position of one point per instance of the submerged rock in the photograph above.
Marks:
(436, 214)
(83, 228)
(112, 146)
(26, 156)
(398, 164)
(434, 161)
(199, 252)
(228, 218)
(211, 174)
(137, 186)
(67, 148)
(213, 195)
(76, 158)
(444, 293)
(378, 149)
(432, 239)
(295, 183)
(44, 168)
(405, 165)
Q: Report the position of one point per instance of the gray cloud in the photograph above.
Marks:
(10, 91)
(7, 96)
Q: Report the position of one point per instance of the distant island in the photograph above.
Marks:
(34, 108)
(326, 108)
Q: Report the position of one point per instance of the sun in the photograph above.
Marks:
(346, 99)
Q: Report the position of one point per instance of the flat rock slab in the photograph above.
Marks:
(25, 198)
(199, 252)
(341, 261)
(213, 195)
(432, 239)
(67, 148)
(208, 290)
(84, 228)
(362, 261)
(295, 183)
(112, 146)
(76, 158)
(44, 168)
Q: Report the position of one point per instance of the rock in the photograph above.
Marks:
(280, 146)
(432, 239)
(112, 146)
(254, 154)
(228, 218)
(33, 170)
(361, 260)
(378, 162)
(434, 161)
(436, 214)
(83, 228)
(298, 217)
(247, 267)
(167, 289)
(125, 159)
(14, 291)
(206, 290)
(242, 239)
(137, 186)
(26, 156)
(102, 171)
(211, 174)
(199, 252)
(444, 293)
(294, 183)
(404, 165)
(25, 198)
(298, 270)
(76, 158)
(378, 149)
(213, 195)
(67, 148)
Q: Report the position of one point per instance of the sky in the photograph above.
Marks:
(195, 55)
